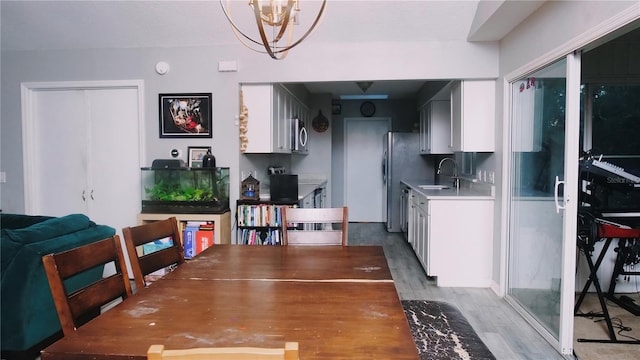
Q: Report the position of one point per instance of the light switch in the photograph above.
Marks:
(3, 177)
(225, 66)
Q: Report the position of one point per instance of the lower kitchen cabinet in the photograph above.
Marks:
(412, 219)
(453, 239)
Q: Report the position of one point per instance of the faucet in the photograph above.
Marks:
(454, 176)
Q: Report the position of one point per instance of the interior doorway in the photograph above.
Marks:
(363, 168)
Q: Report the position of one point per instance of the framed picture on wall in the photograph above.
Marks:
(185, 115)
(195, 155)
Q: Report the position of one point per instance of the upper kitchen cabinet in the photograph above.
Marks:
(473, 116)
(435, 127)
(273, 120)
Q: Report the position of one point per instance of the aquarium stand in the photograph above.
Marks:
(221, 221)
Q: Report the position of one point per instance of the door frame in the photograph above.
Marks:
(28, 90)
(570, 50)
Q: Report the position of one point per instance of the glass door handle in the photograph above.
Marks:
(555, 195)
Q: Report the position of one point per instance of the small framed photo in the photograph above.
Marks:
(336, 109)
(195, 155)
(185, 115)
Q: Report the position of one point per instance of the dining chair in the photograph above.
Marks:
(137, 237)
(77, 306)
(288, 352)
(293, 218)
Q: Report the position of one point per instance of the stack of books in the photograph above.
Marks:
(197, 236)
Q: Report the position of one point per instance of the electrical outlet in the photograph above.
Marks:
(3, 177)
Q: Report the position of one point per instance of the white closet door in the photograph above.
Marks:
(114, 168)
(84, 154)
(59, 138)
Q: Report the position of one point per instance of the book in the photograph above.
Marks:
(203, 240)
(189, 237)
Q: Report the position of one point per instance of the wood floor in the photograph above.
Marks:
(503, 330)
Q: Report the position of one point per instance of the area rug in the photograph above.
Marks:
(440, 331)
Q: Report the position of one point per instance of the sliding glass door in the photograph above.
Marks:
(543, 160)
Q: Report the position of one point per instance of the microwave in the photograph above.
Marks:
(299, 135)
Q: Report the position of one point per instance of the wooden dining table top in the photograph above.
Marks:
(348, 314)
(357, 263)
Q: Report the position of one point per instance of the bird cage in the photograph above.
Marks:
(250, 188)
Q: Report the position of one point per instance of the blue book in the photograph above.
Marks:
(190, 241)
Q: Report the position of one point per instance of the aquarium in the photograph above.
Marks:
(185, 190)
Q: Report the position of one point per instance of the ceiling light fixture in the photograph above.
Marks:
(280, 16)
(364, 85)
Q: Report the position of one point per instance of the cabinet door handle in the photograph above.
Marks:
(84, 198)
(91, 195)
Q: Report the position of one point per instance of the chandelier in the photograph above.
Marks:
(276, 18)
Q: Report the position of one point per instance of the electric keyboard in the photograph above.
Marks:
(614, 169)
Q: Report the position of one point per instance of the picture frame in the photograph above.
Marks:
(185, 115)
(195, 154)
(336, 109)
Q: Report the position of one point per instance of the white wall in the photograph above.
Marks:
(194, 69)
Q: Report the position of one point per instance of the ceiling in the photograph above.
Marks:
(79, 24)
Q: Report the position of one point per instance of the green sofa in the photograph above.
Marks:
(29, 319)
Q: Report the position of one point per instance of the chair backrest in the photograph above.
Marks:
(77, 306)
(288, 352)
(143, 264)
(309, 235)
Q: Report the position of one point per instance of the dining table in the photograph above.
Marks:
(337, 302)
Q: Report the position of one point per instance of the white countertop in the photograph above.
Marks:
(467, 191)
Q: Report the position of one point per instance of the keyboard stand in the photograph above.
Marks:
(624, 246)
(588, 249)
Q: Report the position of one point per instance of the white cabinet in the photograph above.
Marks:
(270, 110)
(422, 231)
(417, 225)
(411, 218)
(435, 127)
(267, 109)
(452, 239)
(460, 242)
(473, 116)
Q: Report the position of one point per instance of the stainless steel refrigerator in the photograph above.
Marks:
(402, 161)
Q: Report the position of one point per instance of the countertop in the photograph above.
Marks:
(467, 191)
(306, 186)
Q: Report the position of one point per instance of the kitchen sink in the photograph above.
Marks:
(434, 187)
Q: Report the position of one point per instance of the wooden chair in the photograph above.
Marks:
(313, 216)
(81, 305)
(288, 352)
(144, 264)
